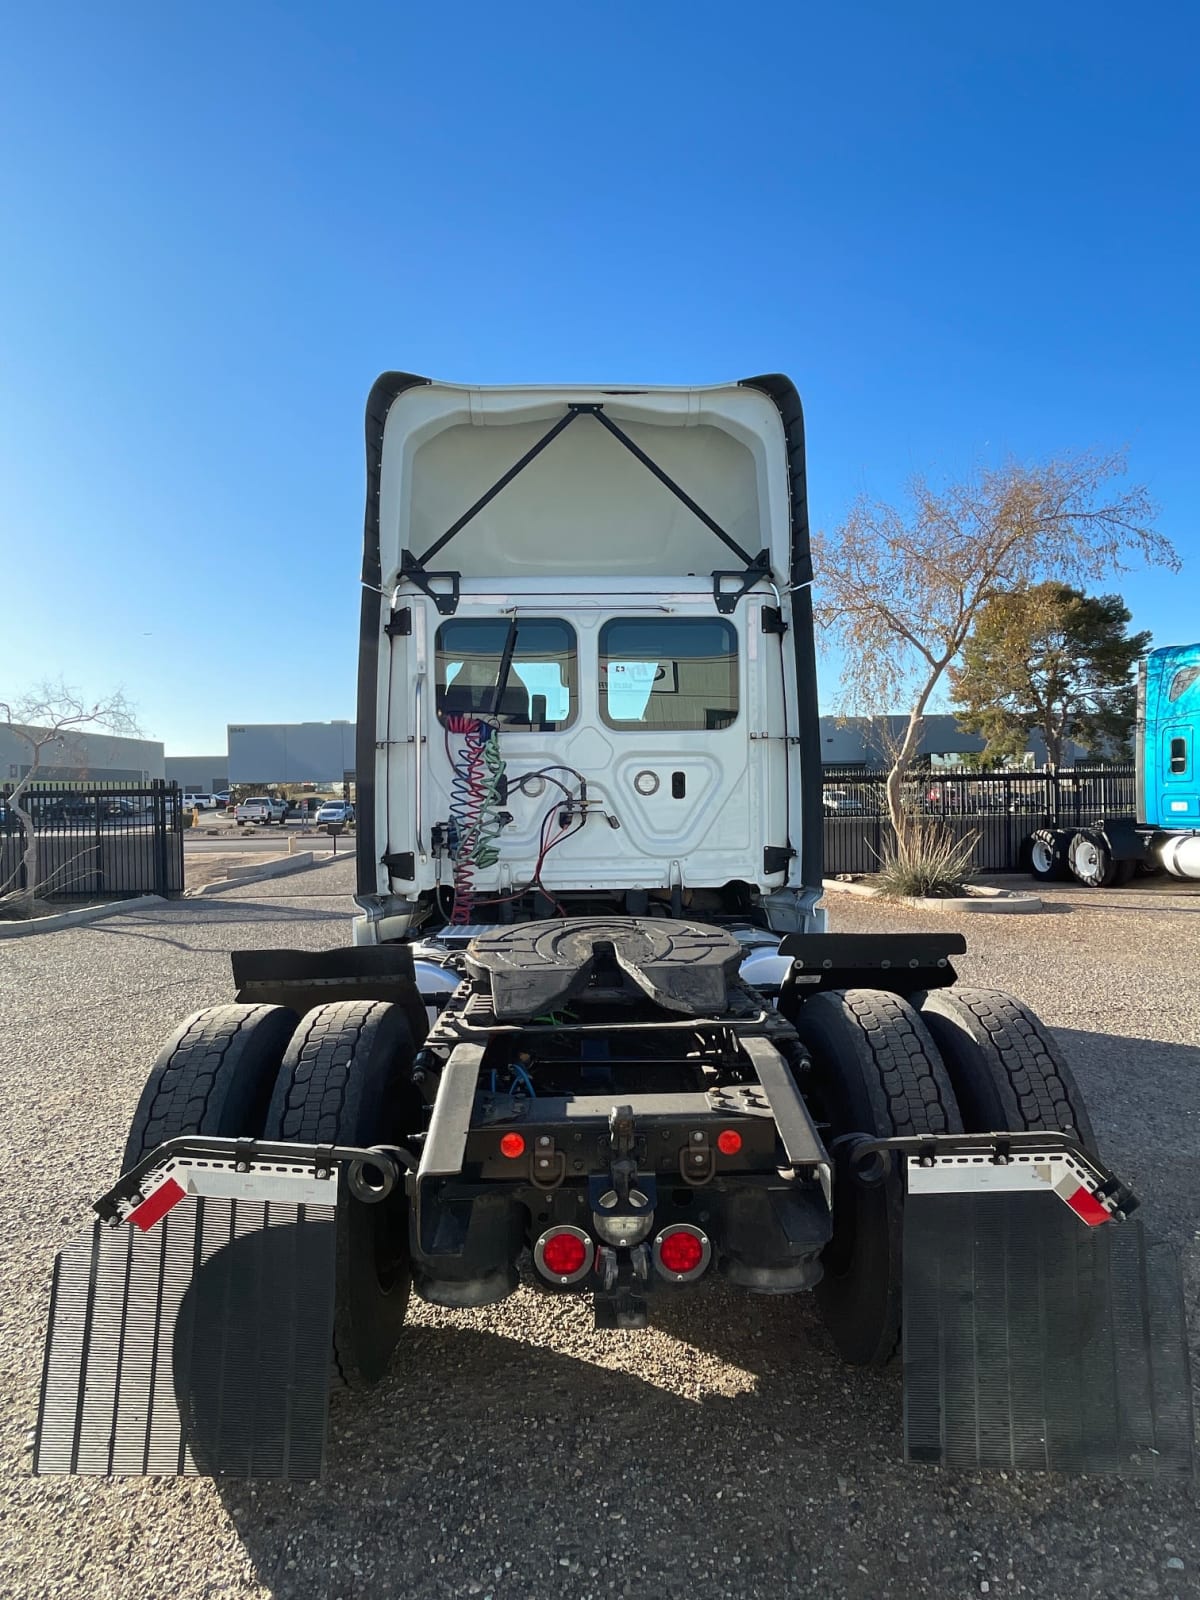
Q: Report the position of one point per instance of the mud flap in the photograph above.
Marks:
(1032, 1340)
(197, 1342)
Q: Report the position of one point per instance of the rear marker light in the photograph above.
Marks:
(156, 1205)
(1085, 1205)
(564, 1255)
(729, 1141)
(682, 1252)
(512, 1145)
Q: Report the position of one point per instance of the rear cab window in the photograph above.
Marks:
(539, 691)
(672, 674)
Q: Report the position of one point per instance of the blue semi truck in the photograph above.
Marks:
(1165, 834)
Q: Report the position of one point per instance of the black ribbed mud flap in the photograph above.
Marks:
(201, 1346)
(1032, 1340)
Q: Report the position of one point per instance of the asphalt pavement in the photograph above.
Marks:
(514, 1452)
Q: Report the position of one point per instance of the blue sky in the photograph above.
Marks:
(964, 230)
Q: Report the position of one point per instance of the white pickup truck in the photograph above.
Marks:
(260, 808)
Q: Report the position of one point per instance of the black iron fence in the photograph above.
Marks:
(96, 839)
(1000, 809)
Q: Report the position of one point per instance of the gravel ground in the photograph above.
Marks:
(515, 1452)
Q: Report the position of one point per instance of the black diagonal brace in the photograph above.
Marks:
(754, 564)
(669, 482)
(501, 483)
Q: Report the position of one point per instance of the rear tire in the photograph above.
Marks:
(1007, 1071)
(1092, 862)
(876, 1071)
(215, 1074)
(1048, 855)
(346, 1079)
(1008, 1074)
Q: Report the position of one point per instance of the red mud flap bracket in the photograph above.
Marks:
(1041, 1328)
(191, 1328)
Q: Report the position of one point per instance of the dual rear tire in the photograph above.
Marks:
(875, 1071)
(958, 1059)
(342, 1075)
(346, 1079)
(1056, 855)
(1093, 863)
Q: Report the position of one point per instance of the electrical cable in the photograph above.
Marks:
(518, 1071)
(477, 778)
(477, 775)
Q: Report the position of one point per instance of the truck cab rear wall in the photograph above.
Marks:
(459, 532)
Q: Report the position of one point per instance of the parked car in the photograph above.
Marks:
(841, 803)
(335, 811)
(221, 799)
(200, 802)
(260, 808)
(70, 808)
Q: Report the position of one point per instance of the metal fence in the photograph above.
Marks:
(1001, 809)
(110, 840)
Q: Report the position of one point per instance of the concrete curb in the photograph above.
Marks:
(1003, 903)
(997, 902)
(282, 868)
(72, 919)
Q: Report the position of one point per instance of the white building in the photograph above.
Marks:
(83, 755)
(291, 752)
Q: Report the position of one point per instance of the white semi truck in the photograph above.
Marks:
(592, 1036)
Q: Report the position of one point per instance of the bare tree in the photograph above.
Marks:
(49, 720)
(899, 587)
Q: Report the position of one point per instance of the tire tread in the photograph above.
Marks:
(189, 1082)
(1033, 1084)
(914, 1093)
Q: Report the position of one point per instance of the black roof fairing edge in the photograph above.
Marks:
(384, 391)
(782, 391)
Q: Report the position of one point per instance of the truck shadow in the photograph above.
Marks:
(724, 1451)
(1141, 1094)
(486, 1453)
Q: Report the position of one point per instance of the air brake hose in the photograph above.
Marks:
(478, 768)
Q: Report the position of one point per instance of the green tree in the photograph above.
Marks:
(1050, 659)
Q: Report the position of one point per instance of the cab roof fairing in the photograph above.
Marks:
(583, 506)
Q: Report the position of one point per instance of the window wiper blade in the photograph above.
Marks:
(496, 697)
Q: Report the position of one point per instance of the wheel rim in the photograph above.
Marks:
(1089, 866)
(1043, 856)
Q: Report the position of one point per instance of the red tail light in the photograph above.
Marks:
(682, 1252)
(564, 1255)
